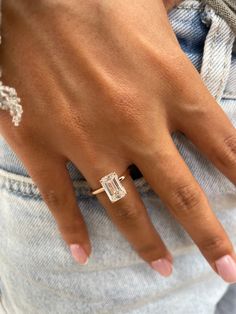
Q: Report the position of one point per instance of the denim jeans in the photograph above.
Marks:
(38, 274)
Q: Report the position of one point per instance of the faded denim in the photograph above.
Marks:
(38, 274)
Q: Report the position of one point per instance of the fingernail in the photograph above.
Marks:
(79, 254)
(163, 266)
(226, 268)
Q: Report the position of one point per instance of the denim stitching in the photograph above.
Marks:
(26, 187)
(229, 95)
(224, 69)
(190, 8)
(210, 66)
(217, 88)
(193, 5)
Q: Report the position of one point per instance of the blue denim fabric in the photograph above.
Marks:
(38, 274)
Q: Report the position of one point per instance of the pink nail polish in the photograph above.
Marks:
(79, 254)
(226, 268)
(163, 266)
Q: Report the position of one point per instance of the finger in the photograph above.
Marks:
(209, 128)
(171, 179)
(130, 217)
(55, 185)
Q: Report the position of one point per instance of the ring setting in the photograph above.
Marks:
(111, 184)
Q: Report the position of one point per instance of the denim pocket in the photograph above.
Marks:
(208, 42)
(218, 55)
(189, 29)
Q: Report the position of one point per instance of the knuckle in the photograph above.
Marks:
(149, 251)
(214, 244)
(72, 228)
(128, 213)
(196, 110)
(227, 155)
(52, 198)
(184, 199)
(68, 228)
(56, 199)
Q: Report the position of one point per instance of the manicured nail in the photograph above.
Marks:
(79, 254)
(226, 268)
(163, 266)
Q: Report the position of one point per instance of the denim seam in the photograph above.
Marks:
(229, 94)
(18, 184)
(224, 71)
(210, 66)
(20, 193)
(203, 8)
(211, 19)
(38, 197)
(200, 9)
(194, 5)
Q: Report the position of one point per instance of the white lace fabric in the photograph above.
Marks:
(8, 95)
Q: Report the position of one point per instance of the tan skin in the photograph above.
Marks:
(89, 72)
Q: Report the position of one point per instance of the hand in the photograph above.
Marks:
(104, 84)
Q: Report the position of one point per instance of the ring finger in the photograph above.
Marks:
(131, 218)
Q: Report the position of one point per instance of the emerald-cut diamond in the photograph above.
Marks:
(113, 187)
